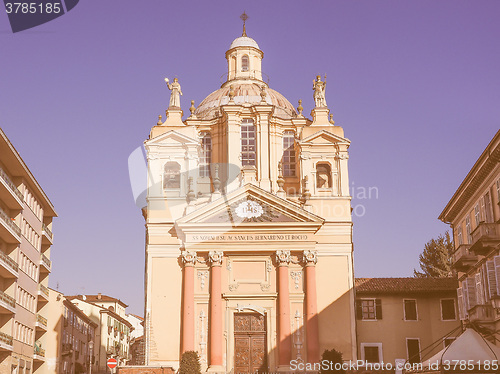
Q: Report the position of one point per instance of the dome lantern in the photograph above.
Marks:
(244, 58)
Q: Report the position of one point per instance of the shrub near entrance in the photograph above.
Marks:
(333, 357)
(190, 363)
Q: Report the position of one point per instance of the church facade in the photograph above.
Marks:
(248, 228)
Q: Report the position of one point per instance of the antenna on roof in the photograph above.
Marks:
(244, 17)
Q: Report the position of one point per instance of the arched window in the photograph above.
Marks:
(172, 175)
(288, 154)
(206, 154)
(323, 175)
(244, 63)
(247, 143)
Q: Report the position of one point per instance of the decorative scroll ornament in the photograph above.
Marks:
(310, 257)
(249, 209)
(202, 276)
(296, 276)
(255, 308)
(188, 257)
(282, 257)
(215, 257)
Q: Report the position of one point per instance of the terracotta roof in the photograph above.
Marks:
(79, 312)
(102, 309)
(405, 285)
(136, 316)
(99, 299)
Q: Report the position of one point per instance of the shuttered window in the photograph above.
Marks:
(410, 307)
(369, 309)
(496, 261)
(461, 304)
(448, 310)
(413, 349)
(491, 277)
(479, 289)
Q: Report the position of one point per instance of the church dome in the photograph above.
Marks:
(244, 41)
(245, 93)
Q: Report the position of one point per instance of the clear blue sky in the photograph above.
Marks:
(415, 84)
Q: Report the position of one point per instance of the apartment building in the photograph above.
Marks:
(473, 213)
(408, 319)
(113, 332)
(26, 215)
(71, 338)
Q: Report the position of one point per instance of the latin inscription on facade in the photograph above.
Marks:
(246, 237)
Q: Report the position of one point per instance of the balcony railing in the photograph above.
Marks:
(4, 338)
(8, 221)
(485, 237)
(41, 319)
(39, 350)
(47, 230)
(7, 299)
(11, 185)
(46, 261)
(482, 313)
(44, 290)
(462, 259)
(9, 261)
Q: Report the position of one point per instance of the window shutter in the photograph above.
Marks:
(471, 292)
(490, 276)
(460, 297)
(378, 309)
(496, 261)
(479, 289)
(359, 309)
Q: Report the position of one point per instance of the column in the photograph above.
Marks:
(312, 331)
(215, 326)
(189, 260)
(284, 334)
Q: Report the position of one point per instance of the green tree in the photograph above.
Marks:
(190, 363)
(435, 260)
(332, 357)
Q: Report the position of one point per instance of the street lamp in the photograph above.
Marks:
(91, 348)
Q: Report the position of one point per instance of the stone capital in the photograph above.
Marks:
(188, 258)
(283, 257)
(215, 258)
(310, 257)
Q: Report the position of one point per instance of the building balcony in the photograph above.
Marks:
(45, 264)
(9, 231)
(485, 238)
(38, 353)
(41, 323)
(9, 193)
(7, 304)
(462, 259)
(482, 313)
(6, 342)
(46, 234)
(67, 349)
(8, 267)
(43, 292)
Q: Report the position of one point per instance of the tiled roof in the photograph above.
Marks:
(136, 316)
(405, 285)
(99, 299)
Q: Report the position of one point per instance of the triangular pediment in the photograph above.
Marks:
(251, 206)
(172, 137)
(325, 137)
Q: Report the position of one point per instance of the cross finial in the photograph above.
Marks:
(244, 18)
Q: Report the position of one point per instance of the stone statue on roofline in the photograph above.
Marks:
(175, 95)
(319, 92)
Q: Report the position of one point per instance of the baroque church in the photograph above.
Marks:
(248, 228)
